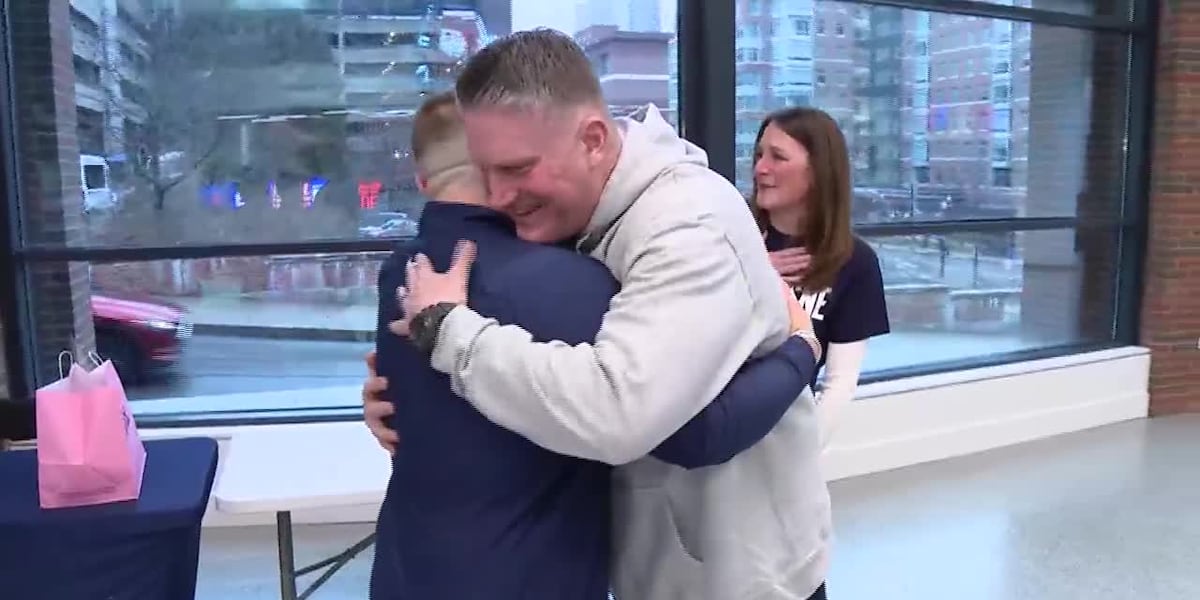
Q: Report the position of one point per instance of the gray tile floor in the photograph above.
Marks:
(1111, 513)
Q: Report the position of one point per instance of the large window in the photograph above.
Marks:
(209, 198)
(988, 169)
(204, 190)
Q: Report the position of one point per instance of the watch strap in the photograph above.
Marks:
(427, 323)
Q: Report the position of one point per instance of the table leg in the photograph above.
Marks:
(287, 556)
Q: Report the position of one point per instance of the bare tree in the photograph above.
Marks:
(173, 98)
(157, 105)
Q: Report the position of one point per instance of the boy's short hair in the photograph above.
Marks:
(439, 141)
(436, 121)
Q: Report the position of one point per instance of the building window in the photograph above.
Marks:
(1002, 177)
(86, 71)
(917, 161)
(800, 25)
(747, 54)
(600, 64)
(1000, 150)
(1001, 120)
(82, 24)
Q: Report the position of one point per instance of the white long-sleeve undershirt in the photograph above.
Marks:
(843, 365)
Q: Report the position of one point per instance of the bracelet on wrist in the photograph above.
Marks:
(811, 339)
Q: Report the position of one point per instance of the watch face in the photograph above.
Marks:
(421, 327)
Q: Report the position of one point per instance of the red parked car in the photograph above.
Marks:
(141, 336)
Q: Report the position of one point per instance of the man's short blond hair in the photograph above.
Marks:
(439, 142)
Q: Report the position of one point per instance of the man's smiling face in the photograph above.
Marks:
(536, 167)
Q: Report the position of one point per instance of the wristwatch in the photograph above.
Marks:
(424, 327)
(809, 336)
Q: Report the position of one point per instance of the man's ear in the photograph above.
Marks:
(594, 134)
(422, 183)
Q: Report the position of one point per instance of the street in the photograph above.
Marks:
(908, 265)
(225, 365)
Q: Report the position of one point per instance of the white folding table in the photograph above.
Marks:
(286, 469)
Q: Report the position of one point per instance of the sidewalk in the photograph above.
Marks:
(234, 316)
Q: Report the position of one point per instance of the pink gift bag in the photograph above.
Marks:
(88, 448)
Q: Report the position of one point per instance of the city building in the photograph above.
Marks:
(356, 72)
(110, 52)
(933, 107)
(632, 66)
(625, 15)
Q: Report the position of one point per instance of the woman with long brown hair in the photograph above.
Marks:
(801, 200)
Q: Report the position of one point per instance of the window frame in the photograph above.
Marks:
(707, 33)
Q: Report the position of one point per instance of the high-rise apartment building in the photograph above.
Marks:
(110, 51)
(625, 15)
(929, 103)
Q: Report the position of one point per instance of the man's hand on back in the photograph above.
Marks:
(425, 287)
(376, 410)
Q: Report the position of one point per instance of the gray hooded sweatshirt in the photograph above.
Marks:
(698, 298)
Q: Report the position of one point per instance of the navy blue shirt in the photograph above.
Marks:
(853, 308)
(476, 511)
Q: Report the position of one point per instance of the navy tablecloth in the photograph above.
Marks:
(146, 549)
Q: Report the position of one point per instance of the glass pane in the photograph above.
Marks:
(946, 116)
(971, 295)
(186, 334)
(267, 120)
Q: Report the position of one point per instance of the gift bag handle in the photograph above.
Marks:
(62, 371)
(96, 359)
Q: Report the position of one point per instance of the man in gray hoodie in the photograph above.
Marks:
(698, 299)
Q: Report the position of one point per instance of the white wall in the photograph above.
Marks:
(904, 422)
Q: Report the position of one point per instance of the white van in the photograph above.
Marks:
(96, 182)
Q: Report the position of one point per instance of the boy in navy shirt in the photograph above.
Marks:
(476, 511)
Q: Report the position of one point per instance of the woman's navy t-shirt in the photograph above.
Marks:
(853, 309)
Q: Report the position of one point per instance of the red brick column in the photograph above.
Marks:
(51, 202)
(1171, 304)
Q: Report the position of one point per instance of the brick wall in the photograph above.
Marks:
(51, 199)
(1171, 305)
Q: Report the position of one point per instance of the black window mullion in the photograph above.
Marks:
(707, 79)
(1139, 133)
(14, 289)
